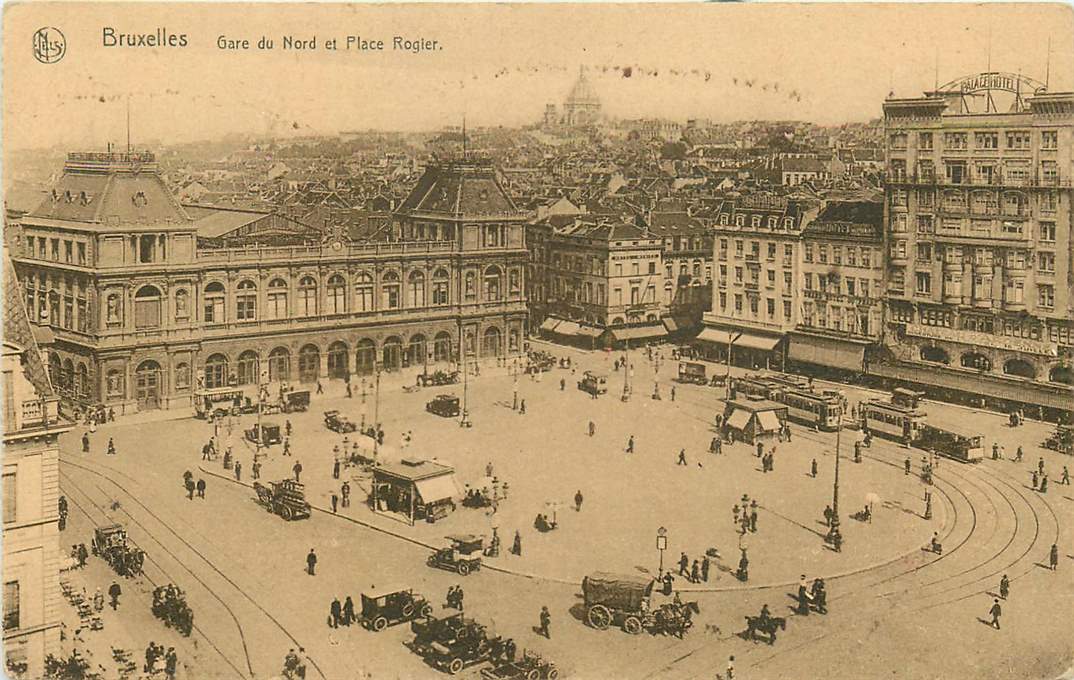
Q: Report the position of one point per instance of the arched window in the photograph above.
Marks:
(493, 283)
(390, 288)
(213, 303)
(246, 301)
(490, 342)
(935, 354)
(1061, 374)
(147, 384)
(216, 371)
(55, 370)
(441, 287)
(146, 307)
(617, 321)
(307, 296)
(365, 357)
(309, 364)
(1014, 203)
(82, 385)
(115, 384)
(249, 368)
(68, 378)
(415, 289)
(279, 365)
(363, 293)
(669, 292)
(338, 360)
(697, 269)
(337, 294)
(415, 351)
(975, 360)
(182, 304)
(1020, 368)
(392, 354)
(277, 300)
(442, 347)
(182, 376)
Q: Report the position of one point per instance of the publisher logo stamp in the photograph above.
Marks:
(49, 45)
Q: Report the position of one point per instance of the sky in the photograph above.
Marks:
(499, 64)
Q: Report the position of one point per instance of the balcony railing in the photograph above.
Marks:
(34, 413)
(289, 253)
(996, 180)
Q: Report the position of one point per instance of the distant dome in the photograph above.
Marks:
(582, 92)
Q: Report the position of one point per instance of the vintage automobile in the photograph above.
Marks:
(690, 372)
(1061, 439)
(388, 606)
(285, 498)
(112, 545)
(625, 599)
(337, 422)
(296, 401)
(438, 378)
(217, 401)
(462, 554)
(594, 383)
(444, 405)
(469, 645)
(267, 432)
(531, 666)
(446, 624)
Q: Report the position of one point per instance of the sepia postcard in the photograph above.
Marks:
(534, 341)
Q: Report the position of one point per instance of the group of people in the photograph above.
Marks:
(811, 596)
(1040, 477)
(746, 516)
(191, 486)
(341, 614)
(157, 660)
(454, 597)
(294, 664)
(697, 572)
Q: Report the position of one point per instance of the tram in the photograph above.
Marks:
(756, 385)
(894, 421)
(959, 445)
(823, 409)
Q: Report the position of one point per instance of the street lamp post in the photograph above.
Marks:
(834, 536)
(464, 420)
(376, 407)
(661, 545)
(626, 373)
(730, 345)
(363, 402)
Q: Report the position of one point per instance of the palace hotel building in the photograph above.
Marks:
(978, 280)
(149, 300)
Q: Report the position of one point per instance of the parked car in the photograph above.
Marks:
(594, 383)
(444, 405)
(388, 606)
(337, 422)
(461, 554)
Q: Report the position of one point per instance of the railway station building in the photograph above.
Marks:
(149, 300)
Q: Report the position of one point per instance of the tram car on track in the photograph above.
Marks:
(823, 409)
(756, 385)
(959, 445)
(894, 421)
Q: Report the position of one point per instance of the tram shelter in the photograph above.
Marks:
(753, 419)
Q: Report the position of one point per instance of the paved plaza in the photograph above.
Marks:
(225, 550)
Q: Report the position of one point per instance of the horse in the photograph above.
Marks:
(675, 618)
(755, 624)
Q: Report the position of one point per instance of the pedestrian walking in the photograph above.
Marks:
(1040, 465)
(562, 384)
(345, 491)
(1066, 476)
(828, 514)
(1053, 557)
(238, 471)
(673, 393)
(682, 457)
(287, 446)
(684, 563)
(1044, 484)
(335, 613)
(995, 450)
(706, 564)
(348, 611)
(735, 511)
(813, 468)
(1004, 587)
(695, 572)
(516, 547)
(745, 523)
(1018, 454)
(760, 449)
(335, 502)
(335, 469)
(189, 489)
(546, 623)
(320, 387)
(995, 612)
(592, 428)
(171, 662)
(578, 501)
(730, 673)
(85, 442)
(906, 466)
(630, 444)
(1036, 480)
(111, 447)
(256, 469)
(311, 563)
(98, 601)
(287, 428)
(753, 520)
(297, 469)
(114, 591)
(522, 407)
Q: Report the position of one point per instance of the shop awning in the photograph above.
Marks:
(590, 331)
(761, 342)
(768, 420)
(713, 335)
(639, 332)
(738, 419)
(437, 488)
(833, 352)
(549, 324)
(567, 328)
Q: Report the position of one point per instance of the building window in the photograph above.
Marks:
(1049, 140)
(807, 252)
(182, 376)
(216, 371)
(307, 296)
(986, 140)
(214, 303)
(923, 283)
(723, 300)
(277, 300)
(926, 198)
(68, 252)
(738, 248)
(1049, 173)
(11, 591)
(924, 252)
(954, 141)
(147, 307)
(246, 301)
(55, 249)
(924, 141)
(363, 293)
(415, 289)
(771, 305)
(1015, 290)
(493, 236)
(493, 282)
(1018, 140)
(955, 172)
(738, 274)
(1049, 201)
(337, 294)
(1047, 262)
(10, 503)
(837, 254)
(113, 309)
(440, 287)
(390, 290)
(897, 140)
(753, 306)
(514, 279)
(771, 278)
(786, 281)
(822, 251)
(1046, 295)
(850, 287)
(82, 254)
(808, 281)
(738, 304)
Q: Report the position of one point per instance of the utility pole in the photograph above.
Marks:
(376, 408)
(730, 345)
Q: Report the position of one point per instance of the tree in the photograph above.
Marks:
(675, 151)
(74, 667)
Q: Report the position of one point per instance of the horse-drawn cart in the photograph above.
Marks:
(285, 498)
(625, 600)
(115, 548)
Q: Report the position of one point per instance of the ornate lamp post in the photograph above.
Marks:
(661, 545)
(834, 537)
(626, 373)
(730, 345)
(363, 402)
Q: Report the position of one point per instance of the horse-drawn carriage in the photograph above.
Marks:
(625, 600)
(112, 544)
(337, 422)
(285, 498)
(438, 378)
(169, 605)
(1061, 439)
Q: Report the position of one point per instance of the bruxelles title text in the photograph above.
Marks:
(162, 37)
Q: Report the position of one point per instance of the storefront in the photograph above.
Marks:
(825, 352)
(637, 335)
(749, 348)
